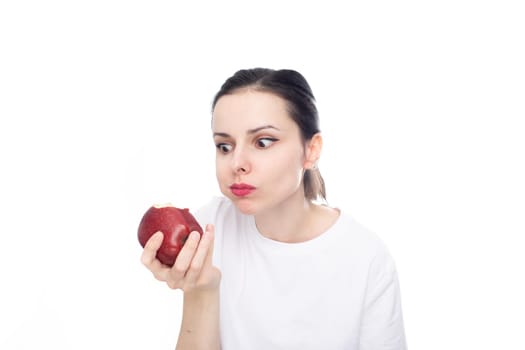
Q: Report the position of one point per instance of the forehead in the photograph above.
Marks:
(248, 108)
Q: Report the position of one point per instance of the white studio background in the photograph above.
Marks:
(105, 109)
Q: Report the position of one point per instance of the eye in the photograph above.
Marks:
(224, 147)
(265, 142)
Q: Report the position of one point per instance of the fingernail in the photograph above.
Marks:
(194, 236)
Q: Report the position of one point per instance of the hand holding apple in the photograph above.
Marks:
(175, 224)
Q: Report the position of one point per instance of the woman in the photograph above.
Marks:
(276, 267)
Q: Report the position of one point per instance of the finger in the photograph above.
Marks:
(149, 257)
(203, 251)
(149, 254)
(183, 261)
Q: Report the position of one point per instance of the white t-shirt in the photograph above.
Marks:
(337, 291)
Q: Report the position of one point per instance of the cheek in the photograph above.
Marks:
(219, 169)
(286, 169)
(221, 180)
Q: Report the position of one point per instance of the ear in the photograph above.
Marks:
(313, 151)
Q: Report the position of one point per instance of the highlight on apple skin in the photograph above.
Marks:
(176, 225)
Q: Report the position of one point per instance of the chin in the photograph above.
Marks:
(245, 205)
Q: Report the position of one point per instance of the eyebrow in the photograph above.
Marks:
(250, 131)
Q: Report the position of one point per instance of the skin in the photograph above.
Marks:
(258, 144)
(195, 275)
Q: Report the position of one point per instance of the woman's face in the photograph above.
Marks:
(260, 153)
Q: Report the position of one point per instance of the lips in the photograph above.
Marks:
(241, 190)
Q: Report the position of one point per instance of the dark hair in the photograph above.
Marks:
(294, 89)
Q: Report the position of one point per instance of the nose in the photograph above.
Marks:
(240, 162)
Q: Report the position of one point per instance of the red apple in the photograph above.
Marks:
(176, 225)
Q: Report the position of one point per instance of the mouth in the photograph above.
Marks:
(241, 190)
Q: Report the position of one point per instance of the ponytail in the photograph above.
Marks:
(314, 187)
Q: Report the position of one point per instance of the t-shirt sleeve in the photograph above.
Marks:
(382, 325)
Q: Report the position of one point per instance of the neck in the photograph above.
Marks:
(290, 222)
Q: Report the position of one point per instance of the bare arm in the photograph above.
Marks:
(200, 322)
(194, 273)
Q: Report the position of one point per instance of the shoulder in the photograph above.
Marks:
(216, 208)
(360, 235)
(362, 242)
